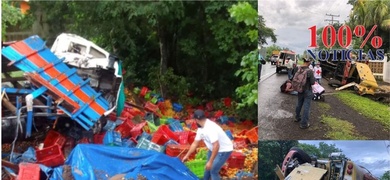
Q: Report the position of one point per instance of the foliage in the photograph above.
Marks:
(327, 149)
(10, 15)
(179, 89)
(248, 92)
(385, 176)
(369, 13)
(271, 48)
(310, 149)
(321, 152)
(340, 129)
(366, 107)
(146, 35)
(271, 153)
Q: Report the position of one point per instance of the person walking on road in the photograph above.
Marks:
(305, 97)
(290, 66)
(217, 141)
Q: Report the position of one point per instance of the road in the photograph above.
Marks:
(276, 113)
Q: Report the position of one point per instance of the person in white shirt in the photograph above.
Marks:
(290, 66)
(317, 72)
(219, 144)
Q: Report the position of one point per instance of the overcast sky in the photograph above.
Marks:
(291, 19)
(372, 155)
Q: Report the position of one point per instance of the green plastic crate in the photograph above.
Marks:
(153, 128)
(163, 120)
(197, 166)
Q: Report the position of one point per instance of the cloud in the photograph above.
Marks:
(291, 19)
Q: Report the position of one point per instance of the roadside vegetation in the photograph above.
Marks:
(340, 129)
(366, 107)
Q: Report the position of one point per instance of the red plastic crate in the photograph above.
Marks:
(239, 143)
(151, 107)
(248, 123)
(144, 90)
(98, 138)
(227, 101)
(52, 138)
(179, 151)
(218, 114)
(29, 171)
(236, 160)
(209, 106)
(137, 130)
(164, 129)
(252, 135)
(242, 133)
(50, 156)
(159, 138)
(183, 137)
(125, 128)
(186, 137)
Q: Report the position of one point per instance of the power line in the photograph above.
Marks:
(332, 15)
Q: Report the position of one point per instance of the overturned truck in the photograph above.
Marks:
(75, 83)
(297, 164)
(356, 74)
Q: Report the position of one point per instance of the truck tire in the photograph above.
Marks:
(302, 156)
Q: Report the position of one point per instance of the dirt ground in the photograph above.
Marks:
(287, 129)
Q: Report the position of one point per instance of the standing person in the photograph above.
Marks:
(317, 72)
(219, 144)
(290, 66)
(305, 97)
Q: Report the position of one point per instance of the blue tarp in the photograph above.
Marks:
(92, 161)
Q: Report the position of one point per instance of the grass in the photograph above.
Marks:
(340, 129)
(367, 107)
(323, 106)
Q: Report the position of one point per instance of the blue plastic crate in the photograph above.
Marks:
(175, 126)
(223, 119)
(128, 143)
(232, 119)
(112, 138)
(177, 107)
(145, 135)
(110, 126)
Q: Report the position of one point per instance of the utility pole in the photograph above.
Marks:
(332, 15)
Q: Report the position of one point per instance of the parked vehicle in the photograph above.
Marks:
(274, 57)
(282, 61)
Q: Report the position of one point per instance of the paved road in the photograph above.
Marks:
(269, 101)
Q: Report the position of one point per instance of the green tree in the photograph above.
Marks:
(370, 13)
(327, 149)
(385, 176)
(311, 150)
(272, 48)
(10, 15)
(161, 43)
(271, 153)
(244, 12)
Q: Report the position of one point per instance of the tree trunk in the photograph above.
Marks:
(164, 56)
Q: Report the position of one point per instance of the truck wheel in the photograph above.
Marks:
(302, 156)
